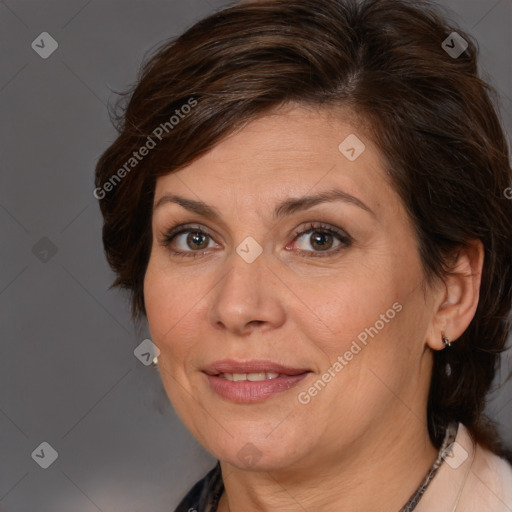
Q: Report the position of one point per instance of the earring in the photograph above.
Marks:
(446, 341)
(155, 361)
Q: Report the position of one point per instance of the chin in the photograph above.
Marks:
(259, 451)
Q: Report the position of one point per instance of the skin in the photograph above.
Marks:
(369, 422)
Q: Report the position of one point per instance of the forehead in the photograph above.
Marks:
(286, 153)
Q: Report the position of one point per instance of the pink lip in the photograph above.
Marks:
(254, 366)
(252, 391)
(246, 391)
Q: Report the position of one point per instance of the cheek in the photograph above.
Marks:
(175, 302)
(155, 299)
(369, 317)
(159, 287)
(165, 300)
(343, 305)
(166, 311)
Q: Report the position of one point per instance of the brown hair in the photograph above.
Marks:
(430, 114)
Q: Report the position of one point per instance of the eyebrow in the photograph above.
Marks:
(287, 207)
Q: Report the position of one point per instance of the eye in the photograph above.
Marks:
(193, 241)
(322, 239)
(193, 244)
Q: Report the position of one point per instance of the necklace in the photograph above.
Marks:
(449, 437)
(412, 502)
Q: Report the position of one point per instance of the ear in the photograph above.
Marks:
(456, 298)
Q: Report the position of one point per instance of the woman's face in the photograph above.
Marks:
(329, 289)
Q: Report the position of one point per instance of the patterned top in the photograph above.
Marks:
(205, 494)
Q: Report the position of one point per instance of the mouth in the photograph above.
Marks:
(252, 381)
(252, 377)
(254, 370)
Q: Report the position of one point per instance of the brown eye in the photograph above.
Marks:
(197, 240)
(187, 241)
(320, 239)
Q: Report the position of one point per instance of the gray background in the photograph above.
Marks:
(68, 375)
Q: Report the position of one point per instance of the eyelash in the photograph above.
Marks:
(343, 237)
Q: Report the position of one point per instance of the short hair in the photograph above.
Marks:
(434, 120)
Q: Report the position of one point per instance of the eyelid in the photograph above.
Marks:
(344, 238)
(175, 230)
(321, 226)
(170, 234)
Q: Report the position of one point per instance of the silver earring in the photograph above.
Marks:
(446, 341)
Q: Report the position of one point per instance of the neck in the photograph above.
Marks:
(395, 462)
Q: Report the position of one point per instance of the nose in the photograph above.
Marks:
(248, 297)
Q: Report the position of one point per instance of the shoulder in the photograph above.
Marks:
(471, 479)
(205, 493)
(489, 483)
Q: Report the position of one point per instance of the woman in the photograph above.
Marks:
(306, 202)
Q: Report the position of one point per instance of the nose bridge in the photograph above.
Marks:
(244, 281)
(246, 293)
